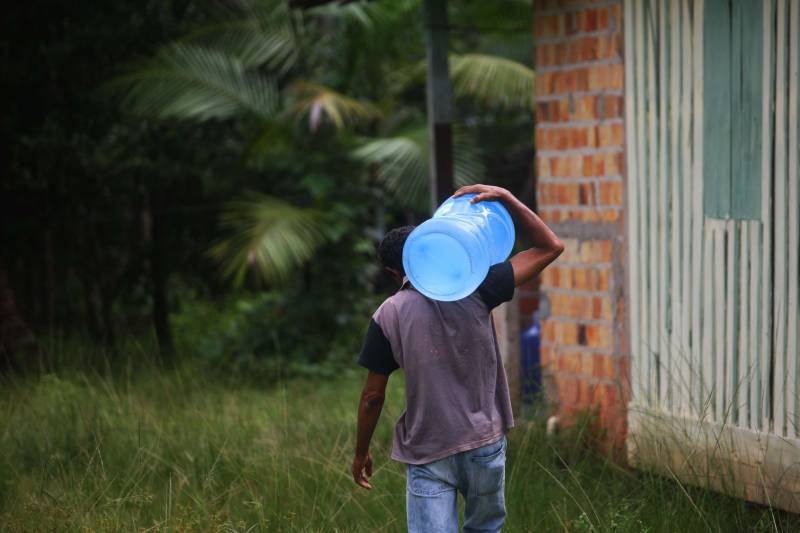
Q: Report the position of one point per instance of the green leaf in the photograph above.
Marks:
(492, 80)
(402, 163)
(195, 83)
(269, 237)
(322, 104)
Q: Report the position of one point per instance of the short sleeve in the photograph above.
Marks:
(376, 354)
(498, 287)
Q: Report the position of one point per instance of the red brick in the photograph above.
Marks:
(598, 336)
(603, 366)
(570, 362)
(610, 192)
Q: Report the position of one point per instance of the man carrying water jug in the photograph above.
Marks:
(458, 410)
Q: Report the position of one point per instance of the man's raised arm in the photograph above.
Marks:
(545, 245)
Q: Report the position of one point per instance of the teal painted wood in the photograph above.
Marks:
(746, 150)
(717, 83)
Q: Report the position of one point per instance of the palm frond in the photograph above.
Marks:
(402, 163)
(258, 34)
(322, 104)
(492, 80)
(195, 83)
(269, 237)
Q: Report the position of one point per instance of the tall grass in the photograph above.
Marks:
(179, 450)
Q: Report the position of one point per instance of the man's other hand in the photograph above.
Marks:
(483, 192)
(362, 469)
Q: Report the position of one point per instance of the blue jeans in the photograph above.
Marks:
(479, 475)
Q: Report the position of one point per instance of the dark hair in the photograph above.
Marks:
(390, 250)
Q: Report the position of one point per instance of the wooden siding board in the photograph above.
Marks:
(686, 204)
(664, 345)
(719, 312)
(644, 274)
(780, 285)
(632, 190)
(707, 407)
(652, 145)
(765, 329)
(744, 376)
(755, 316)
(676, 281)
(746, 112)
(700, 249)
(793, 229)
(731, 320)
(717, 106)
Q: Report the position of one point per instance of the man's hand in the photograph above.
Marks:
(362, 469)
(546, 246)
(483, 192)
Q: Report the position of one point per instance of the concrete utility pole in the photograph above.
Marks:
(440, 110)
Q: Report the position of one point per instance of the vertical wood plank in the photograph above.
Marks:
(632, 190)
(653, 144)
(719, 313)
(642, 248)
(663, 263)
(698, 221)
(779, 266)
(765, 349)
(707, 408)
(686, 207)
(745, 376)
(793, 229)
(755, 320)
(731, 305)
(746, 109)
(718, 82)
(678, 391)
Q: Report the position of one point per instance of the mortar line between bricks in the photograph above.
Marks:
(573, 66)
(574, 36)
(572, 348)
(580, 123)
(581, 151)
(581, 321)
(557, 97)
(575, 7)
(581, 209)
(595, 266)
(584, 179)
(590, 379)
(578, 292)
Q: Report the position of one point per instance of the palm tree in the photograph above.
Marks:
(337, 70)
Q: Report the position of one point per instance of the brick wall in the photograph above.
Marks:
(580, 168)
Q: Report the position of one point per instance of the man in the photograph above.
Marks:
(458, 410)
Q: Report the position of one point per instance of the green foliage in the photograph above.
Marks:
(274, 334)
(494, 81)
(268, 234)
(194, 83)
(183, 450)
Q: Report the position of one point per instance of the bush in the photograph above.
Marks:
(274, 333)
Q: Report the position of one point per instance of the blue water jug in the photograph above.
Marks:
(530, 365)
(448, 256)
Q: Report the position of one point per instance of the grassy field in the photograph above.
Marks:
(179, 451)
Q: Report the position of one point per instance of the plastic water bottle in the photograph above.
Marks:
(531, 370)
(448, 256)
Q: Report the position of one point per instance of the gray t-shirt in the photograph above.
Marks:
(456, 389)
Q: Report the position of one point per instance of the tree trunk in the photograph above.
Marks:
(159, 274)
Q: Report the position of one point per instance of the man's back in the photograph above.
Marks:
(456, 390)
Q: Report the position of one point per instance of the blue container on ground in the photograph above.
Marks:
(530, 367)
(448, 256)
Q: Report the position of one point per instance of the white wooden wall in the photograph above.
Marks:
(713, 302)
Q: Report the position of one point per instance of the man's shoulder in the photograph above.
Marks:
(398, 302)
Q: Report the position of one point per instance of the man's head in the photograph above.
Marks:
(390, 250)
